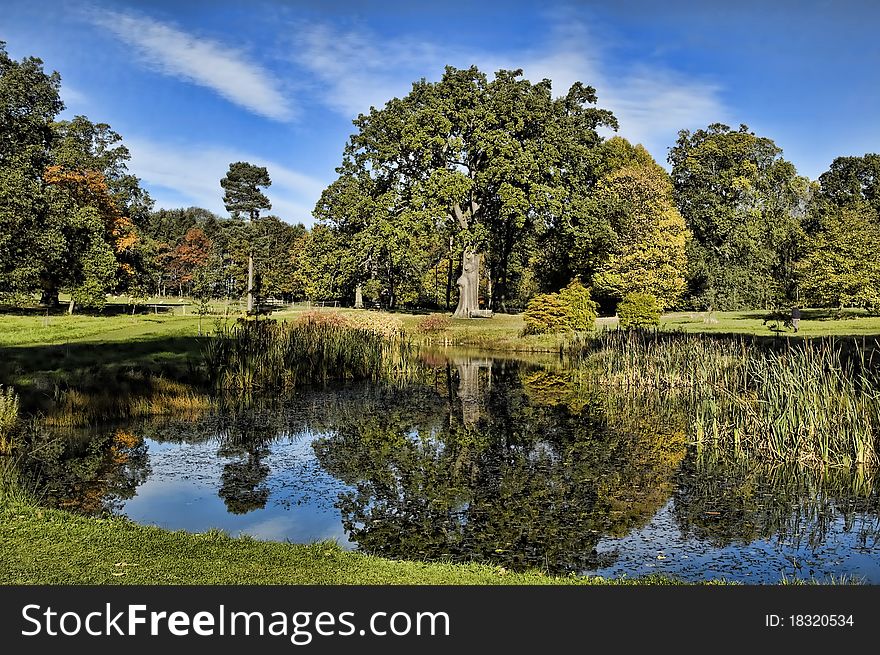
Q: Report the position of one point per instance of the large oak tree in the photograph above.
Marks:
(484, 161)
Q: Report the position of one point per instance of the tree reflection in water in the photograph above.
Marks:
(492, 461)
(502, 475)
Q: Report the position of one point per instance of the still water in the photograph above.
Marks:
(518, 464)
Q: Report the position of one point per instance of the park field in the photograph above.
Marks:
(501, 332)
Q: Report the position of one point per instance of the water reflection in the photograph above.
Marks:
(494, 461)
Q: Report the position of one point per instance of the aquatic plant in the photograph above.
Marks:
(264, 355)
(808, 402)
(9, 406)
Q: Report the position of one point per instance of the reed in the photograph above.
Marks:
(153, 396)
(812, 402)
(9, 419)
(267, 355)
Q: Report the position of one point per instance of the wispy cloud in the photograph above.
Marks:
(190, 174)
(356, 69)
(202, 61)
(73, 98)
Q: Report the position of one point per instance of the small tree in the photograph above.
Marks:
(202, 290)
(842, 266)
(580, 308)
(545, 313)
(570, 309)
(638, 310)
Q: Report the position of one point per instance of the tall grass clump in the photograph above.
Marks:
(267, 355)
(9, 420)
(814, 402)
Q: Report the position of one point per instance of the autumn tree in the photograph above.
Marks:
(191, 254)
(97, 235)
(243, 198)
(646, 249)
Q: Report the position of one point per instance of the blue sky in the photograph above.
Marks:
(193, 86)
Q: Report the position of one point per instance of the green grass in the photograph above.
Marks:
(814, 323)
(18, 330)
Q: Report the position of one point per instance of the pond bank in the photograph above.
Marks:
(47, 546)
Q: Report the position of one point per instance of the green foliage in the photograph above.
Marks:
(842, 264)
(638, 310)
(492, 159)
(66, 198)
(581, 310)
(647, 253)
(853, 180)
(743, 203)
(545, 313)
(241, 186)
(570, 309)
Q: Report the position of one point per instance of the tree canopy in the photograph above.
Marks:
(482, 161)
(743, 202)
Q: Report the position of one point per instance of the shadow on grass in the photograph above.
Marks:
(110, 309)
(39, 372)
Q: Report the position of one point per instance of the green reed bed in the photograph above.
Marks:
(9, 419)
(814, 402)
(266, 355)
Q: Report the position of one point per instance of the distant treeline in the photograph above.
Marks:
(468, 191)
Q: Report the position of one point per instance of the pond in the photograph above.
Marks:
(515, 463)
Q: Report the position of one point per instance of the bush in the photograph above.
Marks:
(638, 310)
(433, 323)
(316, 317)
(570, 309)
(384, 325)
(545, 313)
(581, 309)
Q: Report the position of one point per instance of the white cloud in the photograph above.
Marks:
(73, 97)
(357, 69)
(190, 174)
(201, 61)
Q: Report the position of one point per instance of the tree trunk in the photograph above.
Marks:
(250, 286)
(358, 297)
(468, 284)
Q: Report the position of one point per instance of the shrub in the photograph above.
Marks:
(581, 309)
(545, 313)
(638, 310)
(433, 323)
(570, 309)
(381, 324)
(315, 317)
